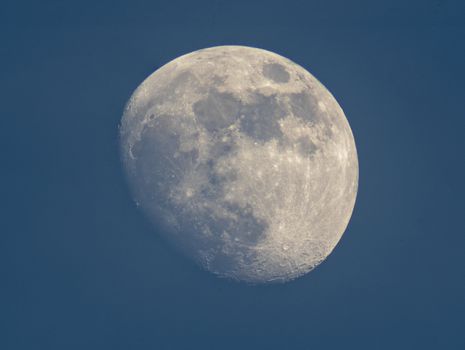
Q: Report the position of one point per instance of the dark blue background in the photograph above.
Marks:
(81, 268)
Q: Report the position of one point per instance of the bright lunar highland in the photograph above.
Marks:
(243, 160)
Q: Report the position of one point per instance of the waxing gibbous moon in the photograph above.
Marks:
(243, 160)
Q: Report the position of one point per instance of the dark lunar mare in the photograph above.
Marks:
(217, 111)
(261, 118)
(276, 72)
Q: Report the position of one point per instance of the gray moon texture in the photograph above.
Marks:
(243, 160)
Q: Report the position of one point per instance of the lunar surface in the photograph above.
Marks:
(243, 160)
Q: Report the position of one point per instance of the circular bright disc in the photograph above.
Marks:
(244, 160)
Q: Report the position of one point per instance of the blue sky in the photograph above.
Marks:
(81, 266)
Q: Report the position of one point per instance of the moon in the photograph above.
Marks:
(243, 160)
